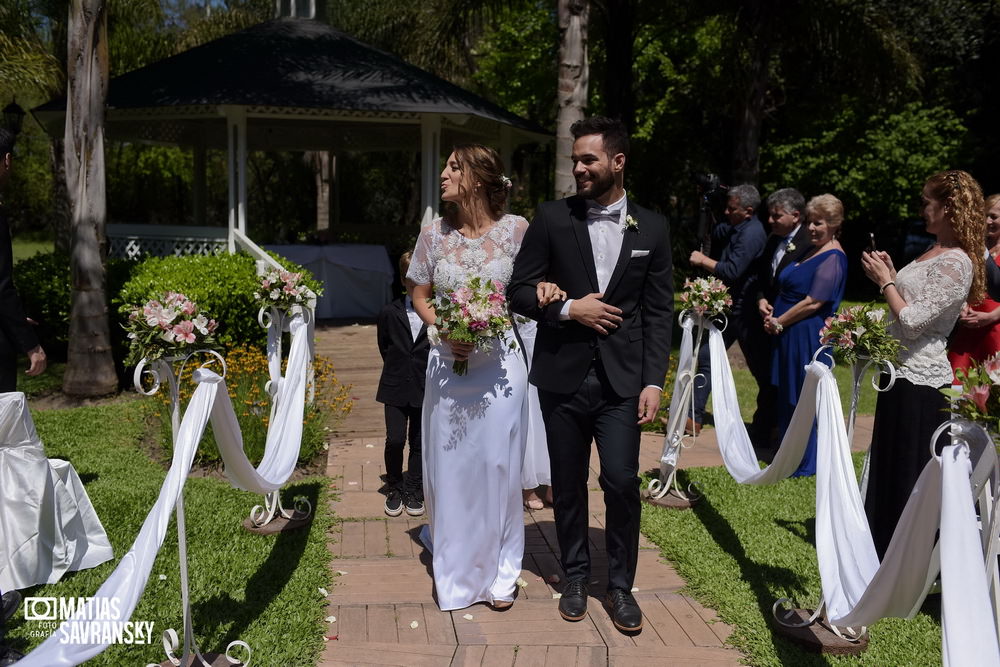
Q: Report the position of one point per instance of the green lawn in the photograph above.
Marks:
(263, 590)
(25, 249)
(743, 547)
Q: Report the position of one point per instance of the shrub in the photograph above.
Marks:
(246, 375)
(221, 285)
(45, 287)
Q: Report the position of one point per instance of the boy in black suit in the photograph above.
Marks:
(402, 342)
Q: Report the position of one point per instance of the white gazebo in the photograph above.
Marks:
(290, 84)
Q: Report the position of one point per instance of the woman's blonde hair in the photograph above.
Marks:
(962, 198)
(830, 209)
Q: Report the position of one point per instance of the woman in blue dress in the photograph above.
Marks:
(809, 291)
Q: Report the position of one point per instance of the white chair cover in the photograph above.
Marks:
(47, 524)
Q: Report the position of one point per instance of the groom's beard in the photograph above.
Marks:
(597, 186)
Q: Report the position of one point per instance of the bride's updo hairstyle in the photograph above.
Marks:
(481, 164)
(962, 198)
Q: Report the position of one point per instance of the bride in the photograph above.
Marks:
(474, 425)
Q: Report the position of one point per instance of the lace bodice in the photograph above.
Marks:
(935, 290)
(447, 259)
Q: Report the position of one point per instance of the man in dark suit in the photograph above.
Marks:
(402, 342)
(600, 357)
(787, 243)
(734, 260)
(16, 333)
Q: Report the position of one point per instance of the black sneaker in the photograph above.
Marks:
(394, 503)
(9, 603)
(414, 506)
(8, 656)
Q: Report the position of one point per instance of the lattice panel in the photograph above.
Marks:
(132, 247)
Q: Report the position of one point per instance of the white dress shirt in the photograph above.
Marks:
(415, 321)
(782, 248)
(605, 226)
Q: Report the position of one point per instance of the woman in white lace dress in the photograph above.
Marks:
(474, 425)
(926, 298)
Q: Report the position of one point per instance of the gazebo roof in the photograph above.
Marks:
(284, 69)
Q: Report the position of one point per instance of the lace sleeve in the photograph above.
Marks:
(945, 284)
(421, 269)
(829, 277)
(520, 227)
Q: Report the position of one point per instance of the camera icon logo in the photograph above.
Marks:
(40, 609)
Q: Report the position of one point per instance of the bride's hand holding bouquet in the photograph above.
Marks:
(469, 318)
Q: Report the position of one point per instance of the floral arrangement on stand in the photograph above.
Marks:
(474, 313)
(165, 327)
(978, 399)
(860, 332)
(706, 297)
(284, 289)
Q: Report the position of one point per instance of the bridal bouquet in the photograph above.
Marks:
(474, 313)
(282, 290)
(707, 297)
(979, 398)
(860, 332)
(168, 326)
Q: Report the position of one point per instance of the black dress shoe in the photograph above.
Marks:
(573, 603)
(624, 610)
(9, 603)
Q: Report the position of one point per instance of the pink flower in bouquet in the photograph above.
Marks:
(462, 295)
(978, 395)
(496, 309)
(478, 325)
(184, 332)
(498, 286)
(496, 297)
(847, 340)
(992, 368)
(188, 308)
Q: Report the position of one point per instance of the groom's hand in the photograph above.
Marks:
(649, 404)
(592, 312)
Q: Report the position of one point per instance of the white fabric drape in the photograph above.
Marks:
(47, 524)
(128, 581)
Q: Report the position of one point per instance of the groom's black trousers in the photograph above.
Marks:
(572, 421)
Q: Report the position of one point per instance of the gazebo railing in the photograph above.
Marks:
(132, 241)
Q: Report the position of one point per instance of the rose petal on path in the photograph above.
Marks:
(414, 625)
(331, 619)
(323, 591)
(468, 617)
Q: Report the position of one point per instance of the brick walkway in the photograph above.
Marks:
(385, 584)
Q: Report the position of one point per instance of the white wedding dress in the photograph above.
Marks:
(474, 429)
(535, 471)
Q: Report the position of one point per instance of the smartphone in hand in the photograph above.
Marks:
(871, 243)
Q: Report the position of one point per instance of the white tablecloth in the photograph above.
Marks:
(357, 279)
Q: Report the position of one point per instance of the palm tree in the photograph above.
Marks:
(90, 368)
(574, 76)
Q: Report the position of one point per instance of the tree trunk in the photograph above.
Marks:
(62, 209)
(90, 369)
(746, 142)
(619, 97)
(574, 74)
(321, 171)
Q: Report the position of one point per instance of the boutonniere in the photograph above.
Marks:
(631, 223)
(790, 247)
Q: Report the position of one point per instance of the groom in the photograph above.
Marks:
(600, 356)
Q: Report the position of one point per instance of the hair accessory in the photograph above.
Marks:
(506, 182)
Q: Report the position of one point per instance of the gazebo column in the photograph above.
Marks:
(236, 134)
(430, 156)
(199, 184)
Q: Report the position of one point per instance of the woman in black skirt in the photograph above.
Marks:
(925, 297)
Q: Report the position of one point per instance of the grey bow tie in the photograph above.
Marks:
(593, 211)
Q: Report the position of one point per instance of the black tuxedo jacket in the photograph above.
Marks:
(16, 335)
(557, 248)
(767, 283)
(404, 360)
